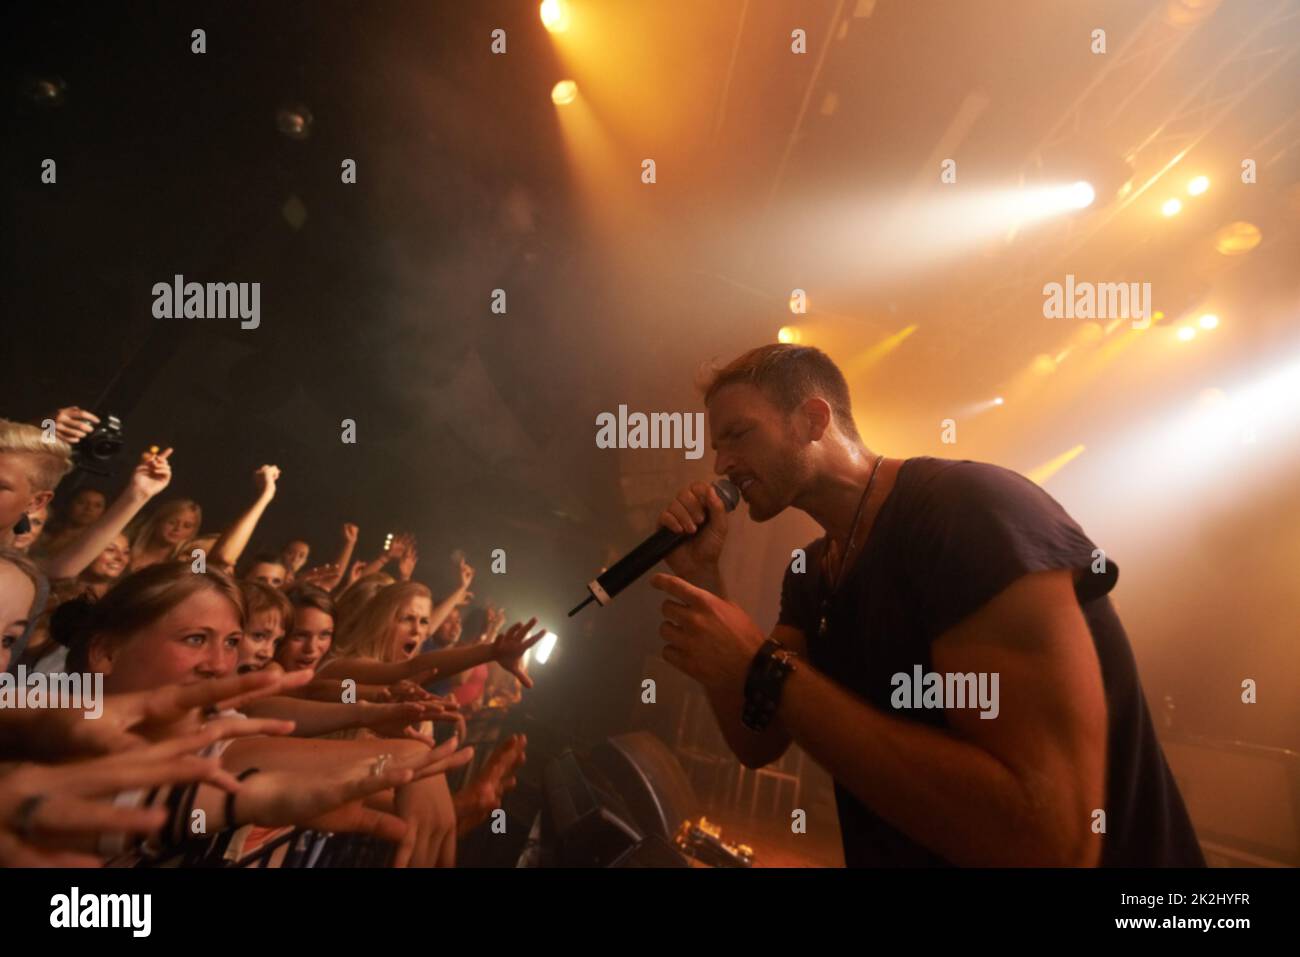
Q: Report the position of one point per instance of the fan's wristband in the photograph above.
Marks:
(243, 775)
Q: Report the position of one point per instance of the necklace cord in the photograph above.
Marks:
(853, 531)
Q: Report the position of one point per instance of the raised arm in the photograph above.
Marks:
(234, 539)
(350, 533)
(461, 596)
(150, 477)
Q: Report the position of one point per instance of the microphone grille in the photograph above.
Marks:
(728, 492)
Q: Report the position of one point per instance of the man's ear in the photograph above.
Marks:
(99, 656)
(38, 502)
(817, 413)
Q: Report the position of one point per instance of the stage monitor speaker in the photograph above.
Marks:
(652, 852)
(651, 782)
(592, 827)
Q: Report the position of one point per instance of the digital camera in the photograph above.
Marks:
(96, 452)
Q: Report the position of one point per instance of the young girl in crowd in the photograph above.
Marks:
(381, 646)
(161, 537)
(82, 510)
(267, 614)
(308, 639)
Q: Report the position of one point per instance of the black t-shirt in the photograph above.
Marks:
(950, 537)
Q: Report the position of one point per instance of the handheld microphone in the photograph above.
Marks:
(648, 554)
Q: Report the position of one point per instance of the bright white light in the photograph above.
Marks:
(564, 92)
(1165, 451)
(977, 408)
(555, 15)
(1042, 201)
(546, 646)
(1172, 207)
(1198, 185)
(1081, 194)
(878, 235)
(1209, 321)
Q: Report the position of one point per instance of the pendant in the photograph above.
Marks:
(821, 627)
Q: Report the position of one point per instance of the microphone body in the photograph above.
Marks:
(648, 554)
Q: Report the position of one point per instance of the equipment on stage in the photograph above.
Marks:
(648, 554)
(625, 803)
(703, 841)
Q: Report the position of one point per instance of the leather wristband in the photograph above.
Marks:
(771, 666)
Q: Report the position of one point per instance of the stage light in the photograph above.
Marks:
(1237, 238)
(564, 92)
(1080, 195)
(1172, 207)
(555, 15)
(1188, 13)
(545, 647)
(1039, 202)
(1049, 468)
(1198, 185)
(46, 91)
(998, 401)
(1257, 408)
(1208, 321)
(1044, 364)
(789, 334)
(868, 357)
(294, 122)
(1186, 334)
(1089, 332)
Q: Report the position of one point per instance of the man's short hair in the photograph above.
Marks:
(788, 375)
(50, 459)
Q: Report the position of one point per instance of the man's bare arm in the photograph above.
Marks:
(1016, 790)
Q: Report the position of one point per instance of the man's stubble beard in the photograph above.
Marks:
(781, 489)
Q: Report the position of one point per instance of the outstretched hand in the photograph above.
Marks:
(48, 811)
(131, 721)
(508, 649)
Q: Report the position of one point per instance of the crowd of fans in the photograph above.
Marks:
(255, 711)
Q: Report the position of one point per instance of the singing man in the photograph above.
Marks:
(927, 565)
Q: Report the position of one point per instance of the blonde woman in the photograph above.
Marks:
(161, 537)
(380, 646)
(356, 596)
